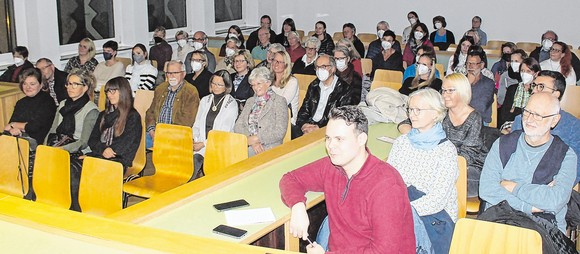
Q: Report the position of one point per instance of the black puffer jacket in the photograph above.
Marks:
(340, 96)
(326, 45)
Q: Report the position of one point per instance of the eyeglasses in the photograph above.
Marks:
(218, 85)
(240, 61)
(198, 39)
(340, 58)
(111, 91)
(198, 60)
(448, 91)
(323, 67)
(555, 50)
(173, 73)
(536, 116)
(541, 87)
(43, 67)
(74, 85)
(416, 111)
(472, 63)
(314, 49)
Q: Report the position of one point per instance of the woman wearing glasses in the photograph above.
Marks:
(427, 162)
(200, 75)
(517, 95)
(73, 124)
(305, 65)
(463, 127)
(264, 119)
(86, 58)
(243, 64)
(560, 61)
(217, 111)
(285, 84)
(117, 133)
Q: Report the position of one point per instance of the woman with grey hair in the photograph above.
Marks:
(264, 119)
(427, 162)
(273, 49)
(305, 65)
(217, 111)
(295, 49)
(232, 45)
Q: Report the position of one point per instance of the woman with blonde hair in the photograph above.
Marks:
(243, 63)
(85, 59)
(285, 84)
(424, 76)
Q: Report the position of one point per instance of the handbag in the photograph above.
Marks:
(58, 140)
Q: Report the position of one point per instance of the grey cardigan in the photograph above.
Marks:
(272, 124)
(85, 120)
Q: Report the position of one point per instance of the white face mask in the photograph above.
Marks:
(196, 66)
(197, 45)
(547, 44)
(18, 61)
(413, 21)
(418, 35)
(181, 42)
(230, 52)
(380, 33)
(438, 25)
(386, 45)
(231, 35)
(527, 78)
(515, 66)
(322, 74)
(173, 82)
(341, 64)
(422, 69)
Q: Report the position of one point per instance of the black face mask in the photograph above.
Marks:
(514, 75)
(506, 57)
(157, 39)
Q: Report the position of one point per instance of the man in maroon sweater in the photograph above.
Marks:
(366, 198)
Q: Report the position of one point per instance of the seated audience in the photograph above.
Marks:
(175, 102)
(265, 22)
(261, 50)
(141, 74)
(274, 48)
(326, 42)
(287, 26)
(481, 38)
(411, 70)
(517, 95)
(183, 47)
(345, 71)
(117, 133)
(553, 83)
(413, 20)
(108, 69)
(474, 35)
(217, 111)
(73, 124)
(295, 48)
(457, 60)
(264, 119)
(226, 63)
(161, 51)
(327, 91)
(375, 46)
(427, 162)
(21, 63)
(242, 90)
(542, 52)
(352, 53)
(285, 84)
(424, 77)
(441, 37)
(501, 66)
(349, 33)
(85, 59)
(375, 200)
(389, 58)
(512, 74)
(533, 170)
(482, 87)
(561, 61)
(419, 39)
(200, 75)
(53, 80)
(34, 112)
(233, 32)
(305, 65)
(200, 41)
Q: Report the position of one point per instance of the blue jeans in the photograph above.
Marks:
(148, 140)
(323, 234)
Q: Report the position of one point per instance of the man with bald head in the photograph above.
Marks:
(532, 169)
(200, 41)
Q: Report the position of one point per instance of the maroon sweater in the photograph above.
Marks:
(370, 213)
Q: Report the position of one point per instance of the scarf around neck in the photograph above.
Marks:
(256, 110)
(68, 111)
(427, 140)
(108, 128)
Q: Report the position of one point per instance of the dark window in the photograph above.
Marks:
(227, 10)
(167, 13)
(7, 31)
(78, 19)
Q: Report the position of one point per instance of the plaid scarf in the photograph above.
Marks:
(259, 104)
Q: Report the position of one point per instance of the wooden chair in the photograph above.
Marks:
(337, 36)
(493, 122)
(527, 46)
(140, 159)
(310, 33)
(214, 51)
(101, 187)
(102, 99)
(257, 61)
(303, 83)
(441, 70)
(495, 44)
(173, 160)
(461, 186)
(288, 135)
(570, 100)
(400, 39)
(51, 176)
(126, 61)
(496, 52)
(143, 100)
(154, 63)
(388, 75)
(366, 37)
(13, 166)
(393, 85)
(367, 66)
(223, 149)
(300, 33)
(476, 236)
(452, 47)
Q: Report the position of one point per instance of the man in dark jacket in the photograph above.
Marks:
(265, 22)
(324, 93)
(53, 80)
(20, 55)
(542, 52)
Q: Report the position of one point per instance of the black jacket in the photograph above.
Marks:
(326, 45)
(253, 39)
(575, 61)
(59, 82)
(12, 70)
(359, 46)
(300, 67)
(340, 96)
(244, 90)
(201, 82)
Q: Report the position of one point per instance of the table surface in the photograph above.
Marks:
(260, 189)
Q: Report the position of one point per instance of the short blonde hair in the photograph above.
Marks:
(92, 48)
(461, 85)
(247, 55)
(312, 41)
(434, 100)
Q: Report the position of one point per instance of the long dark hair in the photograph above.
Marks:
(458, 50)
(125, 104)
(240, 35)
(290, 22)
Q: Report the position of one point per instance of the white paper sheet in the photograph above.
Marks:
(249, 216)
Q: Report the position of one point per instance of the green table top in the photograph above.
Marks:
(260, 190)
